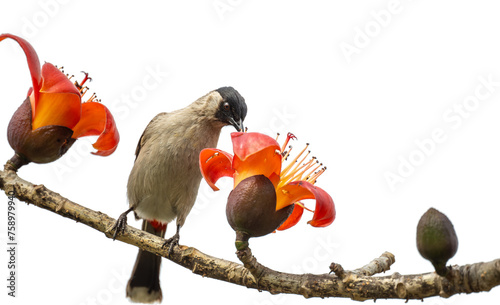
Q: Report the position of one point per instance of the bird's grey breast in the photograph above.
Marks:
(166, 176)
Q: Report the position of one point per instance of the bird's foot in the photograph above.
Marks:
(120, 224)
(171, 243)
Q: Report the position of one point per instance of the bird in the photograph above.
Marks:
(164, 180)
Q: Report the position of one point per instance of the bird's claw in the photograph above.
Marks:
(171, 243)
(119, 225)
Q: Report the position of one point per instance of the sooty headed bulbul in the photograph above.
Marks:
(165, 178)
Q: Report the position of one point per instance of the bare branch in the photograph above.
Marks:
(359, 284)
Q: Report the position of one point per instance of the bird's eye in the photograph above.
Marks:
(226, 106)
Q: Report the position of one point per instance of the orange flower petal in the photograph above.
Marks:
(255, 154)
(293, 219)
(291, 193)
(246, 144)
(215, 164)
(265, 162)
(108, 140)
(275, 178)
(92, 121)
(324, 213)
(59, 101)
(96, 120)
(54, 81)
(33, 61)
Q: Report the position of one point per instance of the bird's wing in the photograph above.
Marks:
(145, 135)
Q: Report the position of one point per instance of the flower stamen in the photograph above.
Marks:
(303, 206)
(313, 171)
(92, 98)
(286, 153)
(294, 161)
(297, 170)
(84, 90)
(300, 171)
(312, 179)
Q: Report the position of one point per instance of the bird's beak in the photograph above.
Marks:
(238, 125)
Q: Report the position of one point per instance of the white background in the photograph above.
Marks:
(414, 63)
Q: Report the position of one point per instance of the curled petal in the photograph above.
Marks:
(96, 120)
(255, 154)
(246, 144)
(92, 121)
(293, 219)
(59, 101)
(55, 81)
(324, 213)
(215, 164)
(33, 61)
(108, 140)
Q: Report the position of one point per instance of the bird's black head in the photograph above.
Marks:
(232, 109)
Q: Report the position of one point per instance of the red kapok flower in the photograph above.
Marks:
(258, 154)
(53, 116)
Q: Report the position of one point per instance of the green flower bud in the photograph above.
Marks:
(436, 239)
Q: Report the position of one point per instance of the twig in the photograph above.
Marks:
(378, 265)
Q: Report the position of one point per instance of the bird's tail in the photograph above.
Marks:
(144, 283)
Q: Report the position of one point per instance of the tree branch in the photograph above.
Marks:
(359, 284)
